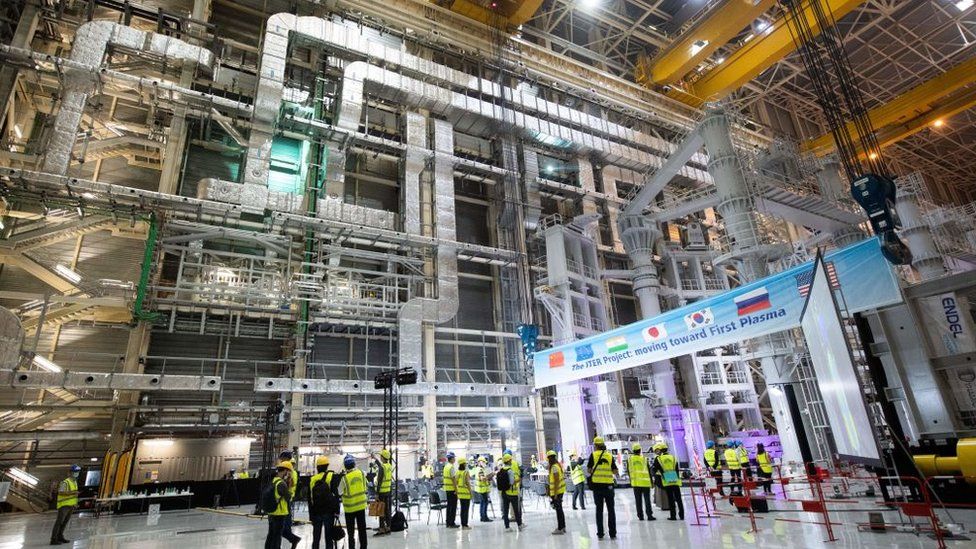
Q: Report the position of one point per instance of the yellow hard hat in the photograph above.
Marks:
(660, 446)
(551, 453)
(506, 458)
(482, 459)
(384, 453)
(286, 465)
(462, 461)
(598, 440)
(321, 460)
(636, 447)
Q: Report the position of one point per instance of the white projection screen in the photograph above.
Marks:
(836, 376)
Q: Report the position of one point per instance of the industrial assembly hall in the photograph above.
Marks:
(518, 274)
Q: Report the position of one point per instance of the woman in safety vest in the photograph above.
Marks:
(765, 464)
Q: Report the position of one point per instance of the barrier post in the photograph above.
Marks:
(694, 504)
(823, 507)
(748, 494)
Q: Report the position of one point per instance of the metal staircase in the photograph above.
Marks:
(815, 407)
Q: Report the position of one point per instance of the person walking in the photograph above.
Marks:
(292, 481)
(601, 469)
(578, 476)
(322, 503)
(450, 488)
(277, 518)
(735, 469)
(352, 488)
(640, 480)
(482, 478)
(765, 463)
(463, 490)
(509, 484)
(667, 465)
(67, 503)
(384, 490)
(556, 489)
(713, 466)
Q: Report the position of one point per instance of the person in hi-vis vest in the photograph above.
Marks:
(667, 466)
(352, 490)
(714, 466)
(640, 480)
(601, 468)
(67, 503)
(449, 478)
(578, 476)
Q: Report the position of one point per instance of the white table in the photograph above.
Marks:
(108, 502)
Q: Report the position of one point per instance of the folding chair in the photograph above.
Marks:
(435, 503)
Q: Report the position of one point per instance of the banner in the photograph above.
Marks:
(947, 321)
(770, 305)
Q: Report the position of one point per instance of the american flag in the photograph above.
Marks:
(804, 279)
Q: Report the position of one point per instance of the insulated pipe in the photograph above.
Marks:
(91, 41)
(926, 259)
(418, 310)
(271, 88)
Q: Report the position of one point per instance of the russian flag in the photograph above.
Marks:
(753, 301)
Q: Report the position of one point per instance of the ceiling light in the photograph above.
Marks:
(550, 168)
(17, 130)
(93, 460)
(158, 442)
(45, 364)
(720, 60)
(940, 122)
(67, 273)
(504, 422)
(873, 156)
(698, 46)
(590, 3)
(964, 5)
(22, 476)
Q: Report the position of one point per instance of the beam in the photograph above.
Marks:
(757, 55)
(660, 178)
(37, 270)
(504, 17)
(954, 105)
(910, 106)
(19, 436)
(716, 29)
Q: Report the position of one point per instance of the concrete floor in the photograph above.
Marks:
(199, 529)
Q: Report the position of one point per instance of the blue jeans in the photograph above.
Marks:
(483, 506)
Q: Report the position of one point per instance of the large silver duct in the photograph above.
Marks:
(442, 308)
(91, 41)
(415, 129)
(11, 339)
(425, 80)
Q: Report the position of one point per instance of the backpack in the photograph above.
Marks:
(398, 522)
(324, 498)
(269, 502)
(503, 480)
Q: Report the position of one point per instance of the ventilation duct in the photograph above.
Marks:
(443, 308)
(91, 41)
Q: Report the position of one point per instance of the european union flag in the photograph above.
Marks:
(584, 352)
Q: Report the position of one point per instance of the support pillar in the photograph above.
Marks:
(430, 401)
(297, 408)
(136, 348)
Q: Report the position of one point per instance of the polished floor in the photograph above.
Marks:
(205, 529)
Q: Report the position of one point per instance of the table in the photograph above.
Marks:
(108, 502)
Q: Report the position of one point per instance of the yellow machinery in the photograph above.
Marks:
(963, 463)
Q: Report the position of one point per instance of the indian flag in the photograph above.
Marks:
(616, 344)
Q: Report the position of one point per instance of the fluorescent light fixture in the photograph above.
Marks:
(93, 460)
(590, 3)
(720, 60)
(504, 422)
(22, 476)
(67, 273)
(18, 132)
(697, 46)
(964, 5)
(748, 37)
(158, 441)
(45, 364)
(940, 122)
(459, 445)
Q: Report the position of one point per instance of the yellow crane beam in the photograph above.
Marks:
(956, 104)
(507, 14)
(906, 110)
(758, 54)
(699, 42)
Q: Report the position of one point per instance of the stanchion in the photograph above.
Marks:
(694, 504)
(823, 508)
(746, 500)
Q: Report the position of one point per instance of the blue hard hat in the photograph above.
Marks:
(349, 461)
(449, 455)
(710, 444)
(75, 468)
(508, 452)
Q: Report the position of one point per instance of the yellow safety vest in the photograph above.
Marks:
(282, 508)
(387, 485)
(513, 490)
(765, 464)
(711, 458)
(743, 456)
(70, 485)
(732, 459)
(448, 476)
(640, 477)
(482, 484)
(294, 484)
(602, 468)
(354, 493)
(576, 473)
(557, 480)
(668, 464)
(427, 471)
(517, 468)
(327, 476)
(463, 484)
